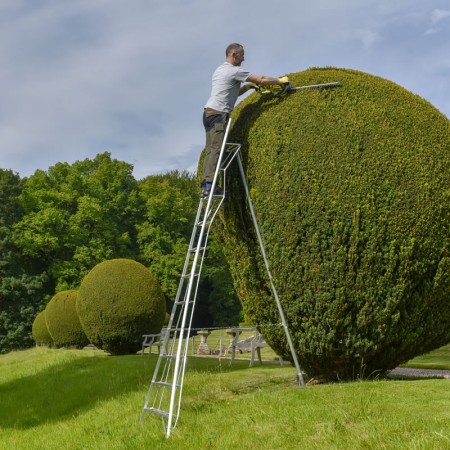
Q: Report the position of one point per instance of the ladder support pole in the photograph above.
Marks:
(266, 262)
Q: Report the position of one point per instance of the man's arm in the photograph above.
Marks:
(262, 80)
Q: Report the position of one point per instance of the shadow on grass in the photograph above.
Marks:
(67, 389)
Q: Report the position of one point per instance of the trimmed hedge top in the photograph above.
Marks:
(119, 301)
(40, 331)
(351, 186)
(63, 322)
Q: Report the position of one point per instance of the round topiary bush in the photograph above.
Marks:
(351, 187)
(62, 320)
(40, 331)
(119, 301)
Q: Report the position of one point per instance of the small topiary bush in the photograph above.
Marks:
(119, 301)
(40, 331)
(62, 320)
(351, 187)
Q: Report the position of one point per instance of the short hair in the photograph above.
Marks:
(235, 47)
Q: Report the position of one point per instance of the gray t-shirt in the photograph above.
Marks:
(226, 83)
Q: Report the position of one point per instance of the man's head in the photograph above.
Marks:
(235, 54)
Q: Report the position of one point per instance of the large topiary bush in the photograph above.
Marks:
(40, 331)
(351, 187)
(62, 320)
(119, 301)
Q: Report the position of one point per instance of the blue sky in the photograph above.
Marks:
(80, 77)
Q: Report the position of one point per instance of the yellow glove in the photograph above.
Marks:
(283, 80)
(249, 86)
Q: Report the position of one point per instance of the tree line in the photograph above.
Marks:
(58, 224)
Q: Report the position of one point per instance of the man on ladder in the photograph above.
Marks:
(226, 88)
(168, 376)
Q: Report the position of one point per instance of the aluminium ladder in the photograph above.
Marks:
(171, 365)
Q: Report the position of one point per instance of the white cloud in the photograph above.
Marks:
(367, 37)
(78, 78)
(439, 14)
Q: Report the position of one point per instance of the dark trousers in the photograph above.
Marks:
(215, 126)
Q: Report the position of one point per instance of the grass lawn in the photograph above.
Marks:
(437, 359)
(84, 399)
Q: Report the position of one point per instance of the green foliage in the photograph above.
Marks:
(62, 321)
(21, 290)
(352, 191)
(171, 202)
(119, 301)
(58, 224)
(163, 235)
(41, 335)
(219, 297)
(10, 188)
(77, 216)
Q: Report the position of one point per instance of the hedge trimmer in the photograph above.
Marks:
(280, 89)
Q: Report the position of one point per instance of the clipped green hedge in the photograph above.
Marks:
(119, 301)
(40, 331)
(351, 186)
(62, 320)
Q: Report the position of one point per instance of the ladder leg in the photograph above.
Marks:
(170, 375)
(266, 262)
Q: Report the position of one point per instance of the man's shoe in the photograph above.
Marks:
(206, 189)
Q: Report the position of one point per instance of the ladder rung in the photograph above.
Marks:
(187, 275)
(165, 383)
(194, 249)
(159, 411)
(183, 302)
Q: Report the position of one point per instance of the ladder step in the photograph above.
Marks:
(187, 275)
(159, 411)
(184, 302)
(165, 383)
(194, 249)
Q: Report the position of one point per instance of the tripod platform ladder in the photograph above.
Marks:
(166, 387)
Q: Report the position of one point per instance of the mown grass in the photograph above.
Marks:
(84, 399)
(437, 359)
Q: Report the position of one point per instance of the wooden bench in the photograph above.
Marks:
(252, 344)
(153, 340)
